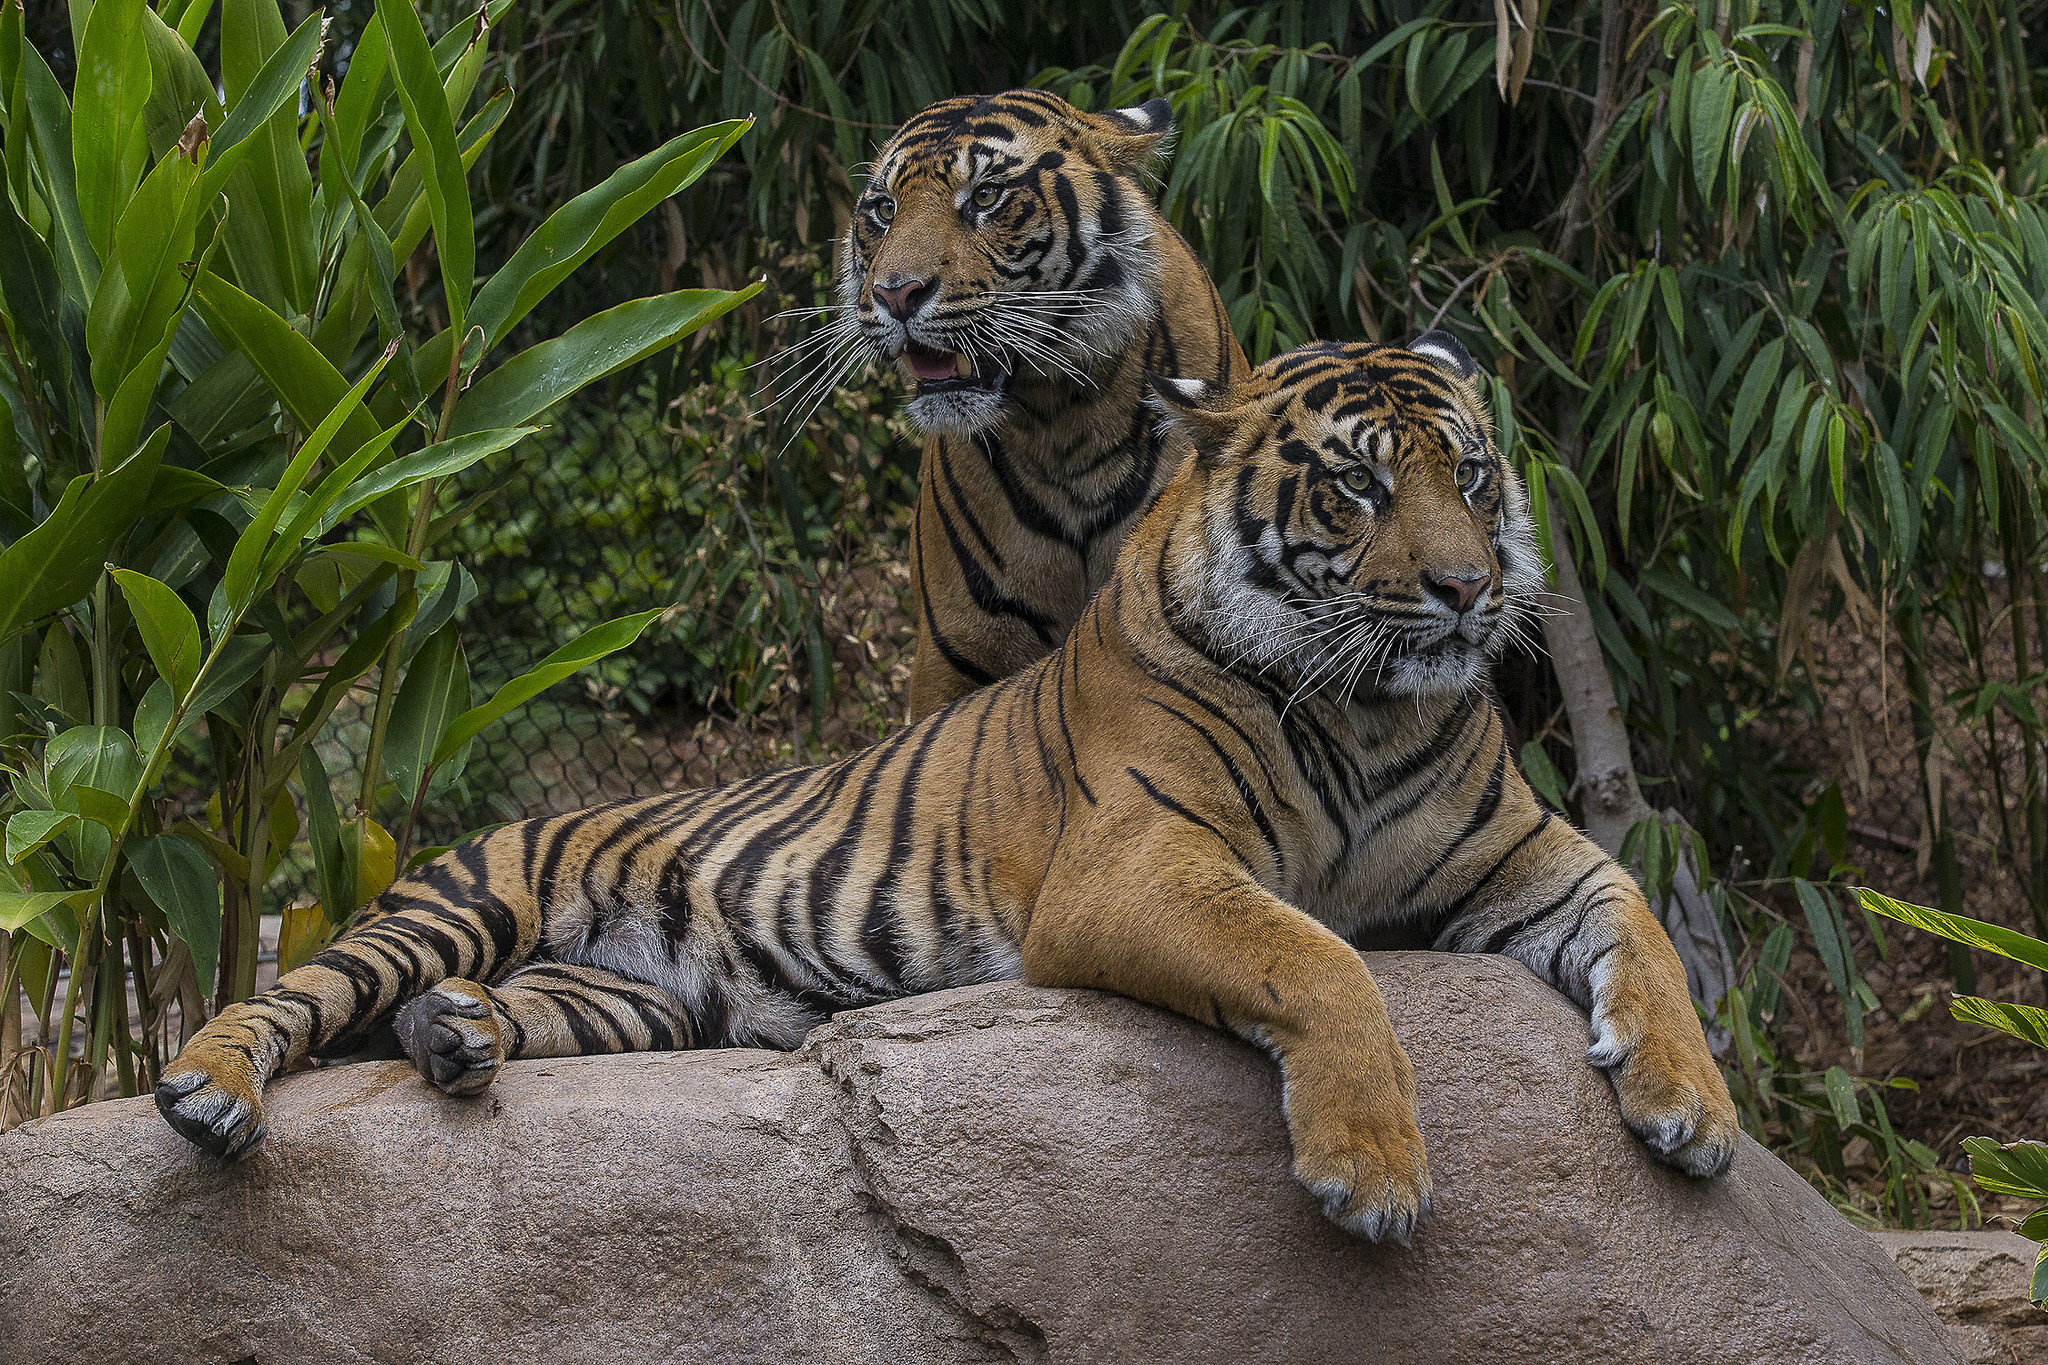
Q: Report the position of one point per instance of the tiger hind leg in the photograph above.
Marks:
(460, 1032)
(469, 913)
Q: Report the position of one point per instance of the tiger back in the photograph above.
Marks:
(1269, 730)
(1007, 255)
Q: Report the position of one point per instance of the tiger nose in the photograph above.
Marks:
(903, 297)
(1458, 591)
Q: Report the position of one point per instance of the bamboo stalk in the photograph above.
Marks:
(1962, 969)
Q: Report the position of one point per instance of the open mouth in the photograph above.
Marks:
(942, 371)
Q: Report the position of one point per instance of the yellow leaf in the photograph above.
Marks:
(305, 931)
(379, 865)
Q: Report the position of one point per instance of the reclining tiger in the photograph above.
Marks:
(1007, 255)
(1269, 730)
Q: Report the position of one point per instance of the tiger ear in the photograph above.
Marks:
(1444, 351)
(1130, 138)
(1198, 407)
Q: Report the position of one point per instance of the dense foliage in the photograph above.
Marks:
(222, 460)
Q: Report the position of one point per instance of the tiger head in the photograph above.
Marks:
(1003, 237)
(1362, 531)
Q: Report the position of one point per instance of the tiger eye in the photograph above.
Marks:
(1470, 469)
(987, 195)
(1358, 479)
(885, 208)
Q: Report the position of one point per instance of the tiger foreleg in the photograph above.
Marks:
(1580, 922)
(1195, 934)
(466, 914)
(459, 1032)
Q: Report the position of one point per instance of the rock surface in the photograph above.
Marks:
(1977, 1282)
(994, 1174)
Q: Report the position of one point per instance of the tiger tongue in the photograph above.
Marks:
(929, 365)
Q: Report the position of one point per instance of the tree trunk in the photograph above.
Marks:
(1611, 800)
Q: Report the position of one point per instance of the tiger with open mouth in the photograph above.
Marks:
(1007, 255)
(1269, 730)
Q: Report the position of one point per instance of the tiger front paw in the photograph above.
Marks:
(453, 1037)
(1358, 1150)
(1373, 1181)
(1672, 1094)
(212, 1097)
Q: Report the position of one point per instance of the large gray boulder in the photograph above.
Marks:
(994, 1174)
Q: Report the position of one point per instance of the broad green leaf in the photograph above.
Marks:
(435, 691)
(585, 649)
(29, 830)
(182, 880)
(141, 289)
(241, 578)
(108, 144)
(583, 226)
(132, 400)
(275, 84)
(542, 375)
(169, 631)
(432, 123)
(1971, 933)
(309, 386)
(2027, 1022)
(153, 717)
(179, 87)
(238, 662)
(20, 910)
(55, 564)
(78, 264)
(35, 299)
(270, 238)
(333, 878)
(442, 458)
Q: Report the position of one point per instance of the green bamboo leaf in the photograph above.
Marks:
(2028, 1023)
(1680, 593)
(169, 631)
(541, 375)
(108, 143)
(1826, 937)
(182, 881)
(1713, 108)
(585, 649)
(1756, 388)
(432, 123)
(2018, 1168)
(1971, 933)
